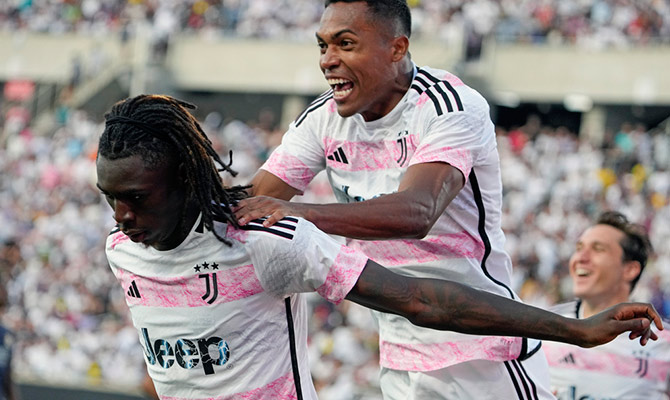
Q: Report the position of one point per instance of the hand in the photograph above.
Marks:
(610, 323)
(263, 206)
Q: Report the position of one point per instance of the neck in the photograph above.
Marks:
(591, 307)
(397, 90)
(181, 231)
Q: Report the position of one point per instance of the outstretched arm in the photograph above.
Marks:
(447, 305)
(424, 192)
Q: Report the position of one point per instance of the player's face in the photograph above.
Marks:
(597, 268)
(357, 59)
(147, 203)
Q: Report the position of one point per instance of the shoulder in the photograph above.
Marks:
(318, 106)
(446, 92)
(285, 229)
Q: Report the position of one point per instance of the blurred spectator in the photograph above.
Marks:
(7, 386)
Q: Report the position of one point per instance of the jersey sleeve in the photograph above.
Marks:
(300, 156)
(308, 261)
(458, 138)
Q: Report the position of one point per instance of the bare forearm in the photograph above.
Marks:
(447, 305)
(453, 306)
(410, 212)
(386, 217)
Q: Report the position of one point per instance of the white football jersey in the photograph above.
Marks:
(228, 322)
(621, 369)
(439, 119)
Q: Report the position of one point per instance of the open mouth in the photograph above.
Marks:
(341, 87)
(136, 236)
(581, 272)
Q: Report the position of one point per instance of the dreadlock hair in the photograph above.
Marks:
(160, 128)
(635, 244)
(390, 13)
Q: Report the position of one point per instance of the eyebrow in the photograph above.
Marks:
(129, 192)
(336, 34)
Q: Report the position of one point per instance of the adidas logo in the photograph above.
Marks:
(132, 291)
(339, 156)
(569, 359)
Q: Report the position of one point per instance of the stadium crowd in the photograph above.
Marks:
(598, 23)
(53, 224)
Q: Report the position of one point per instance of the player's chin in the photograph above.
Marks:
(345, 106)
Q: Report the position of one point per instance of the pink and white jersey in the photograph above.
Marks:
(621, 369)
(224, 323)
(439, 119)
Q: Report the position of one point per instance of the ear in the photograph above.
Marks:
(631, 270)
(400, 47)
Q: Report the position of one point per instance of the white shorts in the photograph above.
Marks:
(472, 380)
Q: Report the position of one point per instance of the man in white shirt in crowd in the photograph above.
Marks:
(607, 264)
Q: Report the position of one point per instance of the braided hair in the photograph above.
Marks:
(160, 128)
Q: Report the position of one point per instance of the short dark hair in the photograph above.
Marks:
(635, 243)
(387, 10)
(162, 131)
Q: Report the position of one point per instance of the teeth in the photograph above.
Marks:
(582, 272)
(337, 81)
(341, 93)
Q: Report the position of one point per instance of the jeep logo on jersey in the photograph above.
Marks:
(188, 353)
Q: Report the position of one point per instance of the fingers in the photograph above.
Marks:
(260, 207)
(641, 328)
(636, 310)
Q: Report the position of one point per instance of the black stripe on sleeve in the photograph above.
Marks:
(450, 108)
(449, 86)
(482, 230)
(513, 378)
(456, 96)
(417, 88)
(261, 228)
(528, 378)
(294, 353)
(420, 80)
(438, 109)
(526, 389)
(316, 104)
(286, 222)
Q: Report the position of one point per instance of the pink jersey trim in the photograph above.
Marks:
(118, 238)
(414, 251)
(281, 388)
(650, 369)
(365, 156)
(458, 158)
(289, 169)
(236, 234)
(434, 356)
(196, 290)
(453, 79)
(343, 275)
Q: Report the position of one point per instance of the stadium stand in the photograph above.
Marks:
(562, 161)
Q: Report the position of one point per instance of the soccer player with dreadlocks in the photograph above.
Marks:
(218, 306)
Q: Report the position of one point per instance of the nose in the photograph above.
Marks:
(123, 214)
(581, 255)
(329, 59)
